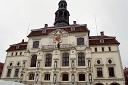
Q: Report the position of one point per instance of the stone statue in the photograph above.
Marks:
(55, 78)
(55, 64)
(23, 64)
(90, 77)
(37, 76)
(38, 64)
(73, 78)
(89, 63)
(72, 64)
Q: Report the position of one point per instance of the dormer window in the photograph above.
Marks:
(43, 30)
(17, 47)
(72, 28)
(101, 40)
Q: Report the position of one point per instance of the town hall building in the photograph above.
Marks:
(64, 54)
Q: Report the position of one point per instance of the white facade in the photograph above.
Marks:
(69, 43)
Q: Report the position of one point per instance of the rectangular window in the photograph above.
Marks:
(103, 49)
(48, 60)
(16, 73)
(80, 41)
(109, 48)
(95, 49)
(9, 73)
(16, 53)
(47, 77)
(81, 77)
(20, 53)
(99, 72)
(111, 72)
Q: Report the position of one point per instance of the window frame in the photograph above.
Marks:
(82, 77)
(65, 77)
(48, 60)
(65, 57)
(99, 72)
(110, 74)
(31, 76)
(16, 74)
(9, 71)
(33, 61)
(36, 44)
(80, 41)
(81, 62)
(47, 77)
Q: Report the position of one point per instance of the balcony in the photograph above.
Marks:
(52, 47)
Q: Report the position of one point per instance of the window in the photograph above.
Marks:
(48, 60)
(16, 53)
(12, 54)
(102, 48)
(35, 44)
(99, 72)
(109, 61)
(31, 76)
(95, 49)
(33, 61)
(18, 63)
(65, 60)
(111, 72)
(47, 77)
(72, 28)
(10, 64)
(109, 48)
(101, 40)
(81, 77)
(9, 73)
(65, 77)
(20, 53)
(98, 62)
(80, 41)
(16, 73)
(81, 59)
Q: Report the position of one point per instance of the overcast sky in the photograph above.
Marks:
(111, 17)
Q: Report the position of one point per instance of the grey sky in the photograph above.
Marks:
(15, 15)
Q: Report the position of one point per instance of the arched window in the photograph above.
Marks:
(81, 77)
(47, 77)
(31, 76)
(65, 14)
(60, 13)
(81, 59)
(48, 60)
(80, 41)
(65, 77)
(33, 61)
(65, 59)
(35, 44)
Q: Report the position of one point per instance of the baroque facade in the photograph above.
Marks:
(64, 54)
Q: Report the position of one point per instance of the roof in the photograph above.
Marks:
(78, 28)
(19, 46)
(96, 40)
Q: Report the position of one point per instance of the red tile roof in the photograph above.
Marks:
(95, 40)
(21, 46)
(78, 28)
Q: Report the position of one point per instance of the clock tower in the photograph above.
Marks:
(62, 15)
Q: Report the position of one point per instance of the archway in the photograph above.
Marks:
(99, 84)
(114, 83)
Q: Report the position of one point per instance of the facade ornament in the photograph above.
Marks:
(72, 64)
(90, 78)
(73, 78)
(37, 77)
(55, 65)
(89, 63)
(54, 78)
(21, 77)
(38, 64)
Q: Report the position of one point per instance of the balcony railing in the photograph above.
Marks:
(51, 47)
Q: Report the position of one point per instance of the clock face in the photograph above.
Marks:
(58, 38)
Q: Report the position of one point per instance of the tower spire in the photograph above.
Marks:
(62, 15)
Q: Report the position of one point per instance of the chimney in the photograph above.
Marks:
(102, 33)
(74, 22)
(22, 40)
(46, 25)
